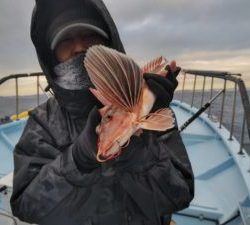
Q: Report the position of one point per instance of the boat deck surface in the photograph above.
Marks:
(222, 179)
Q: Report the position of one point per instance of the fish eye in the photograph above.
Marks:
(109, 117)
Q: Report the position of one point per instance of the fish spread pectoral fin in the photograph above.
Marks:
(161, 120)
(156, 66)
(115, 75)
(99, 96)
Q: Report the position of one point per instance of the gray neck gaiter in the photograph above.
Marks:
(71, 74)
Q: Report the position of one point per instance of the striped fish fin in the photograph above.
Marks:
(161, 120)
(115, 76)
(156, 66)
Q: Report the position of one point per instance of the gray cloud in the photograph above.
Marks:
(16, 51)
(180, 26)
(148, 28)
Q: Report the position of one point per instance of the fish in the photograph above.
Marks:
(126, 99)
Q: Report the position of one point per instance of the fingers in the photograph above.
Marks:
(173, 65)
(166, 83)
(163, 87)
(171, 75)
(173, 70)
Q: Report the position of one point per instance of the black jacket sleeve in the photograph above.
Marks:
(44, 173)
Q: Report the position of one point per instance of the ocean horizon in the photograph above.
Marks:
(8, 106)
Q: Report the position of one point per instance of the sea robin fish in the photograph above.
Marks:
(127, 100)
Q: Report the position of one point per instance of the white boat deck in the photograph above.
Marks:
(222, 177)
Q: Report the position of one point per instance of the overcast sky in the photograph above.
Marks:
(208, 34)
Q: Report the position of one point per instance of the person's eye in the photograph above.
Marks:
(66, 40)
(65, 44)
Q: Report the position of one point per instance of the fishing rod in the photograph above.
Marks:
(191, 119)
(200, 111)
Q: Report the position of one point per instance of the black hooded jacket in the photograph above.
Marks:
(143, 188)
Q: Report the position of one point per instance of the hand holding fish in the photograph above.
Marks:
(85, 145)
(163, 87)
(126, 97)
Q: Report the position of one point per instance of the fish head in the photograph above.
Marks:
(114, 132)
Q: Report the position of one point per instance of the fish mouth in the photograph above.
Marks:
(102, 158)
(112, 152)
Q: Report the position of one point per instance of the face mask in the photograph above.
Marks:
(71, 74)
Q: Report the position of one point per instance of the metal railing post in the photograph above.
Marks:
(203, 89)
(17, 99)
(242, 137)
(211, 95)
(223, 102)
(194, 87)
(233, 112)
(183, 86)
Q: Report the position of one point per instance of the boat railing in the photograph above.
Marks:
(16, 77)
(233, 103)
(191, 82)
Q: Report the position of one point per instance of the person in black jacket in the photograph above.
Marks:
(57, 179)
